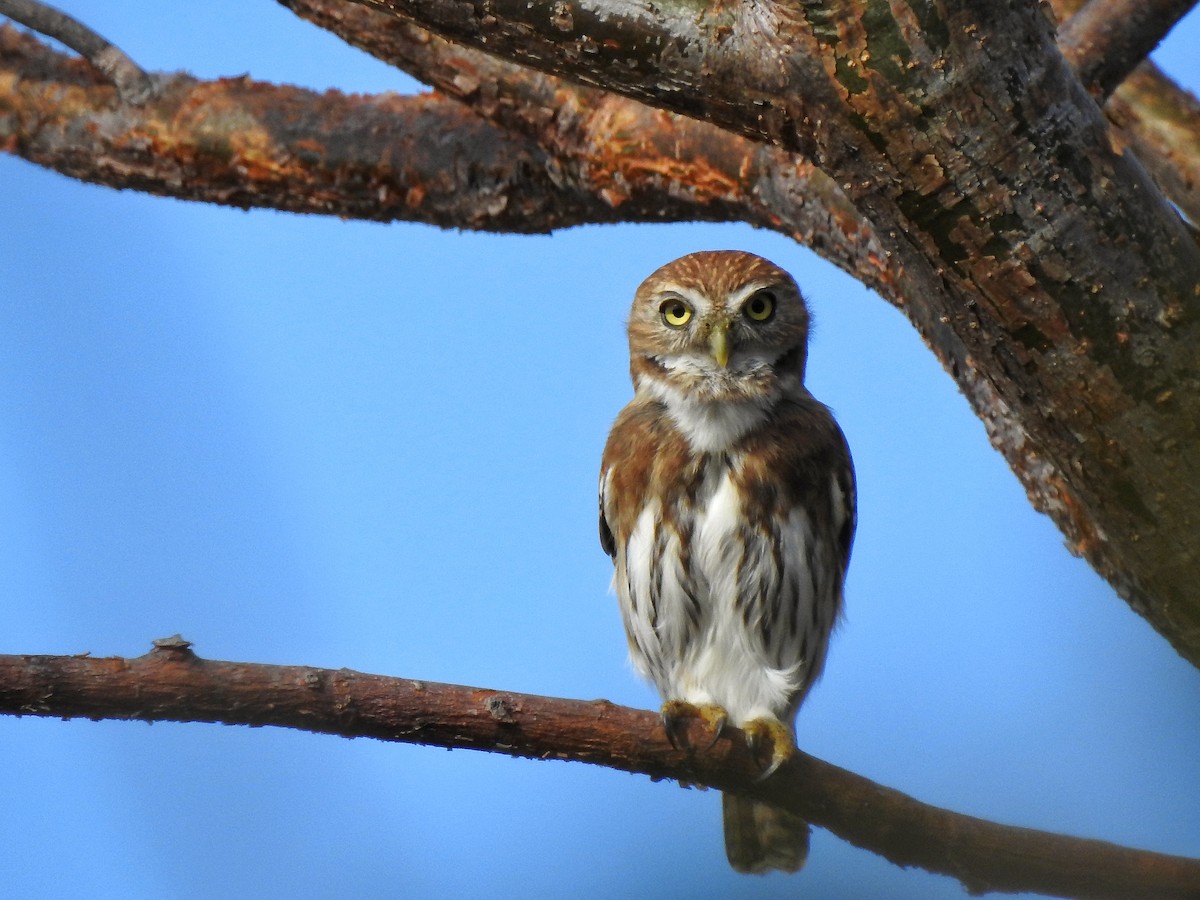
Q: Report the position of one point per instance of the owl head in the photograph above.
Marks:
(719, 325)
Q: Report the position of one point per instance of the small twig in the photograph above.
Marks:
(133, 85)
(172, 684)
(1107, 39)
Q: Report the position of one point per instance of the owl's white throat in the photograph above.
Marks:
(710, 426)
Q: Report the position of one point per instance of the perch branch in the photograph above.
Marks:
(133, 85)
(172, 684)
(1107, 39)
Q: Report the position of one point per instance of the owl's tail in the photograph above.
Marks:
(759, 838)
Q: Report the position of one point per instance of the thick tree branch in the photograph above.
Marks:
(1158, 119)
(133, 85)
(1107, 39)
(173, 684)
(242, 143)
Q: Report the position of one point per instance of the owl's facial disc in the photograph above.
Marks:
(719, 327)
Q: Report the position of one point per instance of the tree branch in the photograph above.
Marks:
(1107, 39)
(1157, 117)
(730, 64)
(243, 143)
(133, 85)
(172, 684)
(1161, 122)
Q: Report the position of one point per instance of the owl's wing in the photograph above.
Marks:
(645, 525)
(626, 470)
(810, 455)
(797, 487)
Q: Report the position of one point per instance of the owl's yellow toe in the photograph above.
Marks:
(677, 713)
(768, 733)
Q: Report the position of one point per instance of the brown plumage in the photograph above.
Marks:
(727, 505)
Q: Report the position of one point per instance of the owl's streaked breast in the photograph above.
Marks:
(695, 581)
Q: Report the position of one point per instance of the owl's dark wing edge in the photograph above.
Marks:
(607, 541)
(849, 486)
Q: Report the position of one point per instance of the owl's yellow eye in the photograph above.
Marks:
(675, 312)
(760, 307)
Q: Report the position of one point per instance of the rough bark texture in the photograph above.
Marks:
(943, 152)
(172, 684)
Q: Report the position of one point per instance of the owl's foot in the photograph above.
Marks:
(675, 716)
(769, 733)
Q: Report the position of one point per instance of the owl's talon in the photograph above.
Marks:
(673, 719)
(717, 719)
(769, 732)
(675, 714)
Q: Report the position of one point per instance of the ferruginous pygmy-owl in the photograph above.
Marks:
(727, 504)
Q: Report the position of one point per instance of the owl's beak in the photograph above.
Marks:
(718, 342)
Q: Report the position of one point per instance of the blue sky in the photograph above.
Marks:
(302, 440)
